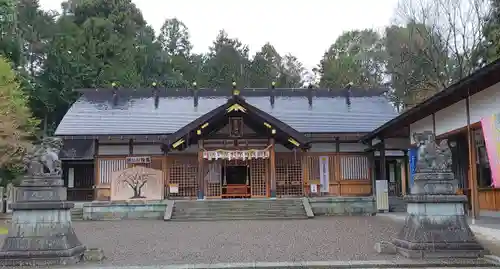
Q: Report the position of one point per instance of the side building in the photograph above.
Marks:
(467, 114)
(216, 143)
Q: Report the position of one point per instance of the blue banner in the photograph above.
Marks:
(412, 156)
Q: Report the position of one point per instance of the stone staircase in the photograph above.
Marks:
(241, 209)
(77, 213)
(397, 204)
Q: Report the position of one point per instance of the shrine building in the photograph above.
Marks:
(229, 143)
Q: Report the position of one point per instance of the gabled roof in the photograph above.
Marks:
(133, 112)
(237, 106)
(472, 84)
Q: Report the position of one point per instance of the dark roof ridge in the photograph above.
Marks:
(245, 92)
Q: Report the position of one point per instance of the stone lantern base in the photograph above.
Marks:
(436, 225)
(41, 231)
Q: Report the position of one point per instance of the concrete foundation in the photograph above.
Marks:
(121, 210)
(343, 206)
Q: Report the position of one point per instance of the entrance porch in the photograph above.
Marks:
(236, 146)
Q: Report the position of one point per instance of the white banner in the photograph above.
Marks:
(236, 154)
(324, 179)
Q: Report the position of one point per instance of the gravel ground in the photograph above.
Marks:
(158, 242)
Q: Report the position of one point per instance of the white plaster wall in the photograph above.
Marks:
(485, 103)
(482, 104)
(397, 143)
(451, 118)
(424, 124)
(113, 149)
(152, 149)
(322, 147)
(352, 147)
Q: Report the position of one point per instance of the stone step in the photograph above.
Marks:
(222, 213)
(77, 214)
(232, 204)
(237, 218)
(397, 204)
(238, 209)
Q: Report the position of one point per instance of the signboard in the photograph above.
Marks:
(314, 188)
(138, 159)
(491, 132)
(324, 173)
(173, 188)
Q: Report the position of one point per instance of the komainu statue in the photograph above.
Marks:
(432, 156)
(43, 158)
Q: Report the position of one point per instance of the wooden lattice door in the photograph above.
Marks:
(213, 178)
(258, 177)
(289, 175)
(183, 173)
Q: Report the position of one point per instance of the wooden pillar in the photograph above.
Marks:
(373, 177)
(472, 165)
(404, 173)
(97, 168)
(272, 167)
(201, 182)
(166, 176)
(305, 172)
(383, 172)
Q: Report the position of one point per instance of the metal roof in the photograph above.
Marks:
(104, 112)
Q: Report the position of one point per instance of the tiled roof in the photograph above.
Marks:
(98, 113)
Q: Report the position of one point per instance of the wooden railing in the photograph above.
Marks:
(236, 191)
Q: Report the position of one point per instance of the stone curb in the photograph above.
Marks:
(307, 207)
(315, 265)
(169, 210)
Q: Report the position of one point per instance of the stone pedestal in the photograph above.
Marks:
(41, 232)
(436, 225)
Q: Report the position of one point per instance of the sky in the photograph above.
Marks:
(305, 29)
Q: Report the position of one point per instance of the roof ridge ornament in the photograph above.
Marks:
(155, 94)
(235, 91)
(273, 94)
(115, 93)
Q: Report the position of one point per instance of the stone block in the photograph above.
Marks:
(94, 255)
(385, 248)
